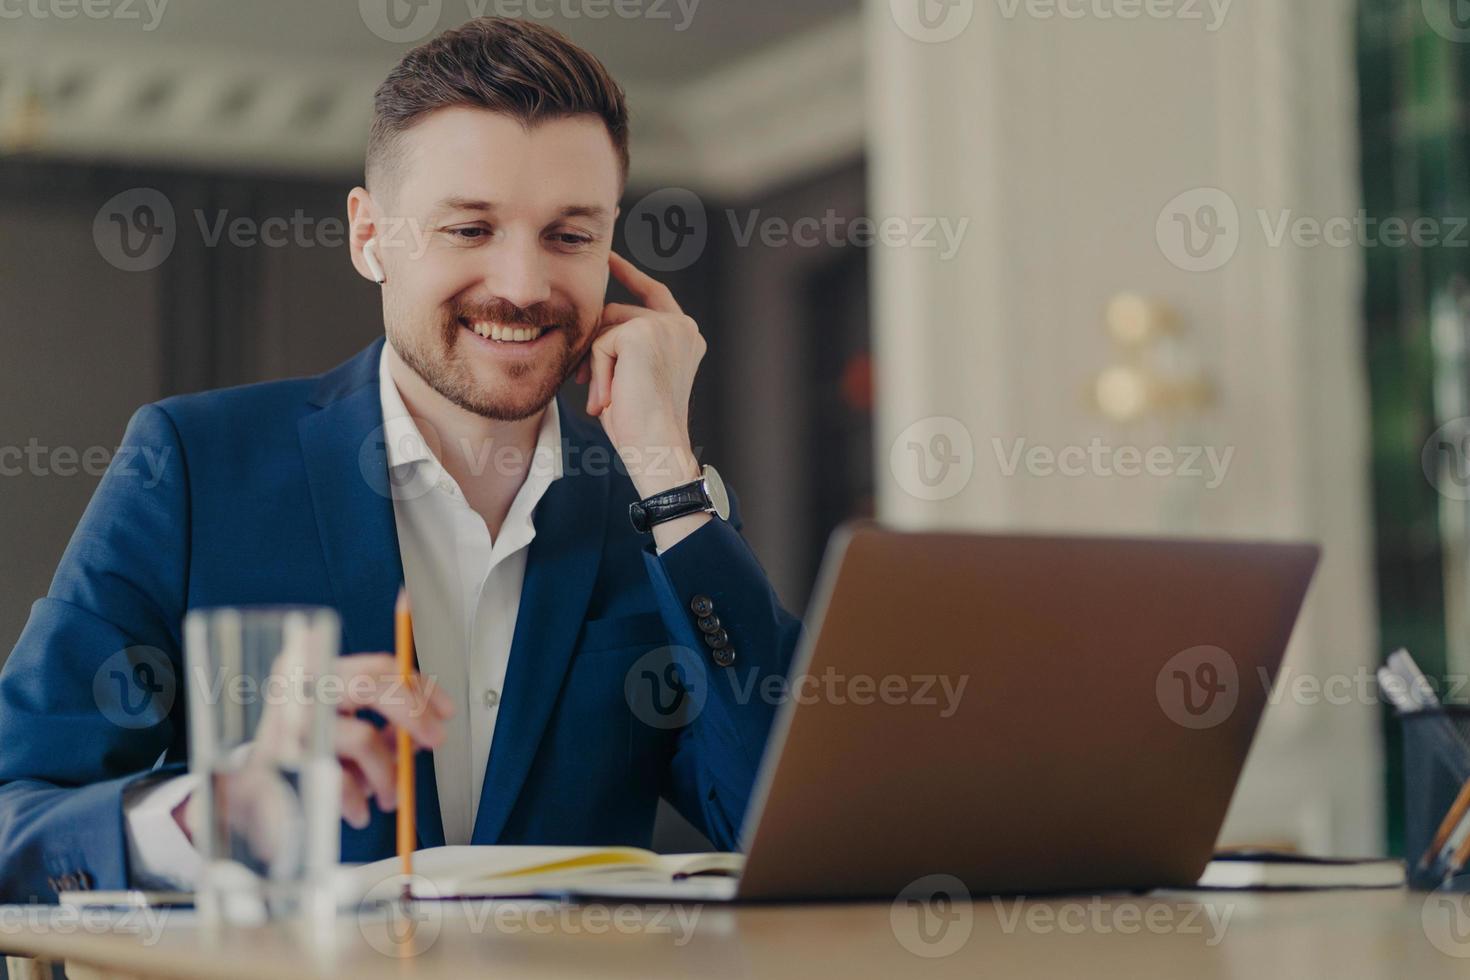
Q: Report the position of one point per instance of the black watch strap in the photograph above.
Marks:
(687, 499)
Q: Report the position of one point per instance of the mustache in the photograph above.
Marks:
(505, 312)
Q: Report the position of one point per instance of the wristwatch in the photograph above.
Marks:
(706, 495)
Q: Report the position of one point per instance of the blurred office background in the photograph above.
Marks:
(1126, 192)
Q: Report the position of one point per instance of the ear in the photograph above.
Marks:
(362, 223)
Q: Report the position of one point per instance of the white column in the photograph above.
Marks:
(1061, 140)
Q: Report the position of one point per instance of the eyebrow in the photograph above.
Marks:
(451, 204)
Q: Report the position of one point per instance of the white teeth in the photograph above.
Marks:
(508, 335)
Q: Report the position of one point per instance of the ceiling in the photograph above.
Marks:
(649, 42)
(286, 85)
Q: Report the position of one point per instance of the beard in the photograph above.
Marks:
(518, 389)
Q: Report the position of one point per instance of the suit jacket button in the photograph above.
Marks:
(709, 624)
(717, 640)
(701, 605)
(724, 656)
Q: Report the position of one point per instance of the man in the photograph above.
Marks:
(442, 459)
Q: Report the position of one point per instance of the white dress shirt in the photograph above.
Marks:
(466, 592)
(465, 588)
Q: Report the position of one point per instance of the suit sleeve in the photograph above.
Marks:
(718, 753)
(90, 697)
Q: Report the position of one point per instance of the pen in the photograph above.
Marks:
(403, 635)
(1451, 823)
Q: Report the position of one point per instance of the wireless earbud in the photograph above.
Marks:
(370, 256)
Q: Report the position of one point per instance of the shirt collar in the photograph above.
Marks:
(405, 444)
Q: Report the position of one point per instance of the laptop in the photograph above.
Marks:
(1027, 714)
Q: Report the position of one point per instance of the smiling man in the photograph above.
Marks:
(553, 563)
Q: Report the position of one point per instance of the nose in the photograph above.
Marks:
(515, 270)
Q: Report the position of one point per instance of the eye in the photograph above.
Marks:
(468, 233)
(572, 239)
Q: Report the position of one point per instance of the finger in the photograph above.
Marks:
(370, 680)
(439, 700)
(584, 372)
(599, 396)
(358, 742)
(614, 314)
(354, 797)
(648, 290)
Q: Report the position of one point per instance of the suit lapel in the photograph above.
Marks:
(347, 469)
(561, 570)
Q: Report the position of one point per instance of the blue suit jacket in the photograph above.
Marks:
(277, 493)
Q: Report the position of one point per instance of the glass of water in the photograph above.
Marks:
(266, 814)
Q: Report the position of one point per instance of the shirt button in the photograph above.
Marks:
(492, 698)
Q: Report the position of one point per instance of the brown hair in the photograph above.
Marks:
(525, 70)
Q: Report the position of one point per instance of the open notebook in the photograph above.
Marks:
(483, 871)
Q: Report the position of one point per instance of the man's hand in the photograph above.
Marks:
(368, 755)
(641, 368)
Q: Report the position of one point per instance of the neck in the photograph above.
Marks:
(488, 458)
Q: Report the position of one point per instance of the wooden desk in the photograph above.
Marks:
(1252, 937)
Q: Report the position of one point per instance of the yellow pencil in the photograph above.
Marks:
(407, 834)
(1447, 826)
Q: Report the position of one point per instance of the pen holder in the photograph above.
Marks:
(1435, 767)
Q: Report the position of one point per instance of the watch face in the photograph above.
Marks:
(715, 488)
